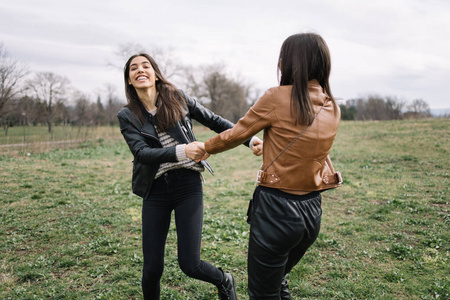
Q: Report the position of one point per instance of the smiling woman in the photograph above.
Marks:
(156, 124)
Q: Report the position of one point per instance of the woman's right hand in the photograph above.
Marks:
(195, 151)
(257, 147)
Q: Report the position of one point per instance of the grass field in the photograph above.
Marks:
(70, 225)
(28, 139)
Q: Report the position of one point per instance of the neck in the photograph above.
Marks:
(148, 97)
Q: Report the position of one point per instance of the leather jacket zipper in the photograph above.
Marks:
(189, 135)
(186, 133)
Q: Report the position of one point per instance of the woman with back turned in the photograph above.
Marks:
(156, 124)
(300, 119)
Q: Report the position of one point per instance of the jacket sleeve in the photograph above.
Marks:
(145, 149)
(256, 119)
(206, 117)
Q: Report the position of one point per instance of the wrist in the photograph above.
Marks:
(181, 152)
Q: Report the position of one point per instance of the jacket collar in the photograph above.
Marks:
(316, 93)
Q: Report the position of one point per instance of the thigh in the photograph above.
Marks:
(189, 217)
(276, 223)
(312, 213)
(276, 227)
(156, 214)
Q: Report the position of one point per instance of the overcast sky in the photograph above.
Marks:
(388, 47)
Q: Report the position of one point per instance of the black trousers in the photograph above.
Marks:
(180, 191)
(282, 227)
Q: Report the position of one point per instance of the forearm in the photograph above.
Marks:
(228, 139)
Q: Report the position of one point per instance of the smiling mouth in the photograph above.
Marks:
(140, 78)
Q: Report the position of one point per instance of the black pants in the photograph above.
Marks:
(282, 227)
(179, 190)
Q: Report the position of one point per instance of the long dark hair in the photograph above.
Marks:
(304, 57)
(170, 102)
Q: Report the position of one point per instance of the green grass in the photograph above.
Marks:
(70, 225)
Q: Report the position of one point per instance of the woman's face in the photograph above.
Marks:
(141, 75)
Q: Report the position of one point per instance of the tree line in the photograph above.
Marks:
(44, 98)
(376, 107)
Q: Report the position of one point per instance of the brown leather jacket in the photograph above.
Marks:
(305, 166)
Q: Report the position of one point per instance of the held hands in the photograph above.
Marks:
(206, 155)
(196, 151)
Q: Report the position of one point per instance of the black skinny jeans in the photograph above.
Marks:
(180, 190)
(282, 227)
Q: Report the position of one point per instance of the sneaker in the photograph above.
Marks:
(227, 289)
(284, 293)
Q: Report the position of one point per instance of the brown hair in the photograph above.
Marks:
(170, 102)
(304, 57)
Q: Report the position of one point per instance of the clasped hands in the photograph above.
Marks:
(196, 150)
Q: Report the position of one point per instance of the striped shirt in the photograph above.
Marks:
(183, 162)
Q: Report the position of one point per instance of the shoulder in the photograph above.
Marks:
(190, 103)
(189, 100)
(125, 112)
(275, 95)
(279, 91)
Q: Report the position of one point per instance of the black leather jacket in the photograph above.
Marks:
(143, 141)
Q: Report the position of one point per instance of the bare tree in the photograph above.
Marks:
(123, 52)
(99, 112)
(418, 109)
(11, 72)
(113, 104)
(26, 107)
(62, 114)
(51, 89)
(167, 61)
(164, 57)
(191, 81)
(83, 112)
(394, 107)
(225, 96)
(215, 86)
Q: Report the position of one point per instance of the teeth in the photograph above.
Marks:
(141, 78)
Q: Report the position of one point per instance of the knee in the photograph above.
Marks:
(152, 273)
(189, 268)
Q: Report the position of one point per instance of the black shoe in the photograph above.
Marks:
(227, 289)
(284, 293)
